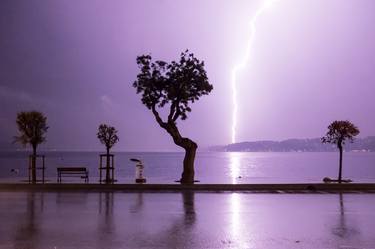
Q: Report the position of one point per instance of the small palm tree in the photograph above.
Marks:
(107, 136)
(32, 127)
(338, 133)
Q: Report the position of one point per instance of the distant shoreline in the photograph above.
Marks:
(366, 144)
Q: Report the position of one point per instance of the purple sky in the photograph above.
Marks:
(312, 62)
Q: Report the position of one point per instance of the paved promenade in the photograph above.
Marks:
(273, 188)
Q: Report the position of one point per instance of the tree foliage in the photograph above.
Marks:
(32, 127)
(107, 135)
(339, 132)
(177, 83)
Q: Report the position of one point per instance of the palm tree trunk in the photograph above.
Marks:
(340, 164)
(33, 165)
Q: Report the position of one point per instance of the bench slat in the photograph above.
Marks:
(71, 169)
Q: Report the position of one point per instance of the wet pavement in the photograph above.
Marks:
(67, 220)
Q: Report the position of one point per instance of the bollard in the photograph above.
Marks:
(139, 178)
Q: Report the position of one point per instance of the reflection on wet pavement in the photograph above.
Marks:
(38, 220)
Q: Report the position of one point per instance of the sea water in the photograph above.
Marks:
(210, 167)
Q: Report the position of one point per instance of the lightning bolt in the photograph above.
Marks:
(242, 64)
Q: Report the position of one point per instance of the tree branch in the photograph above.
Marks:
(177, 111)
(157, 117)
(177, 114)
(172, 111)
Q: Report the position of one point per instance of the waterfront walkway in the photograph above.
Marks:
(273, 188)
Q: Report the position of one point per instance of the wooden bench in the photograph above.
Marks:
(73, 172)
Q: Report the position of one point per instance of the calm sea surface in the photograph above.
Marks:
(211, 167)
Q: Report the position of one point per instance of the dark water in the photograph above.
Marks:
(211, 167)
(34, 220)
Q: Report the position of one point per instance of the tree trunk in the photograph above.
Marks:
(340, 164)
(33, 165)
(187, 176)
(107, 176)
(190, 148)
(189, 145)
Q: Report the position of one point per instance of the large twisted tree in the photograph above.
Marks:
(32, 127)
(338, 133)
(175, 85)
